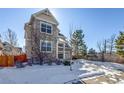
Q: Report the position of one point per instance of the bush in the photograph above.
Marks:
(19, 64)
(29, 62)
(58, 62)
(49, 62)
(74, 57)
(119, 60)
(67, 63)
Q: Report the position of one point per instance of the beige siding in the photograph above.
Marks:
(46, 17)
(34, 27)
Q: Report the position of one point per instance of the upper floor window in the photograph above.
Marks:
(47, 28)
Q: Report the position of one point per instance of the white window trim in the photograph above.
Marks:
(46, 42)
(46, 24)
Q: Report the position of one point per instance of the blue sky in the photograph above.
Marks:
(97, 24)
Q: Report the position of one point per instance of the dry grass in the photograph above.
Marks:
(108, 58)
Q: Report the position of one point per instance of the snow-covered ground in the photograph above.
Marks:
(83, 71)
(113, 72)
(36, 74)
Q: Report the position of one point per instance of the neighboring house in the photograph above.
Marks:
(7, 49)
(44, 27)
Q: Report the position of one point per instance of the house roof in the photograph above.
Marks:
(44, 11)
(8, 49)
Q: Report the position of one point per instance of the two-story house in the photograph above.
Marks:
(44, 27)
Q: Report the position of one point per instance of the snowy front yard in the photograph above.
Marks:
(84, 71)
(37, 74)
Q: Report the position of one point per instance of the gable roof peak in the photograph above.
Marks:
(45, 11)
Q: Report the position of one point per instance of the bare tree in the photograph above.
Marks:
(36, 48)
(99, 45)
(71, 30)
(11, 37)
(105, 46)
(101, 52)
(102, 46)
(111, 44)
(70, 34)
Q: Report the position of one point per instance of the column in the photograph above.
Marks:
(64, 52)
(57, 49)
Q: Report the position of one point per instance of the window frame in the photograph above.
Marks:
(60, 54)
(41, 41)
(47, 24)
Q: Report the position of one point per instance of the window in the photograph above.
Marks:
(60, 56)
(43, 46)
(46, 46)
(43, 27)
(46, 28)
(60, 45)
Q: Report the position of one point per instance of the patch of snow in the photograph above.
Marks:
(121, 82)
(93, 74)
(104, 83)
(113, 79)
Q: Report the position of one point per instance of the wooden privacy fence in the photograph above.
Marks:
(9, 60)
(20, 58)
